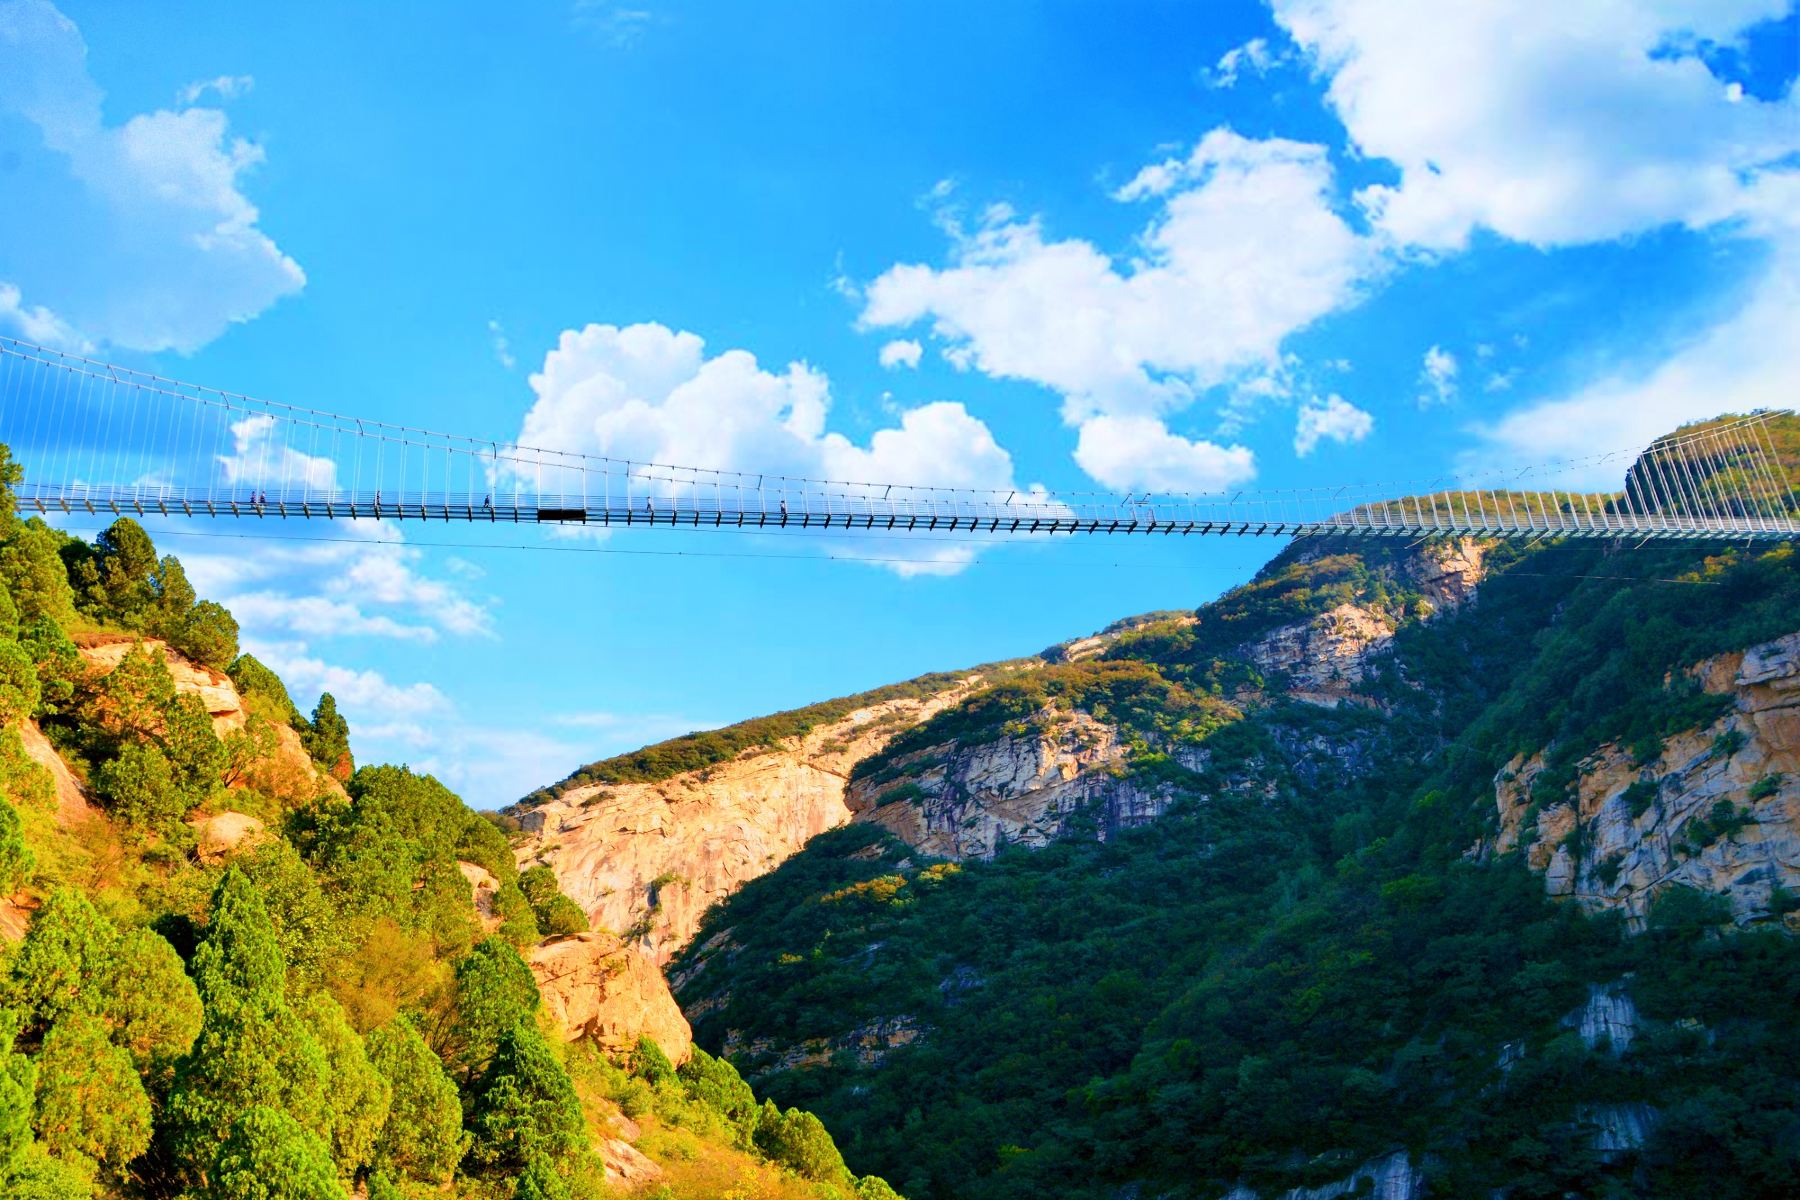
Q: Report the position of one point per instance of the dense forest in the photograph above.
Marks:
(310, 1016)
(1309, 962)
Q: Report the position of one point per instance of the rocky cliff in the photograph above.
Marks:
(646, 860)
(1717, 809)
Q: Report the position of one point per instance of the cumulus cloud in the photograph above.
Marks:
(653, 395)
(1548, 124)
(1334, 419)
(1437, 376)
(1243, 248)
(35, 323)
(902, 352)
(260, 456)
(159, 248)
(359, 693)
(1133, 453)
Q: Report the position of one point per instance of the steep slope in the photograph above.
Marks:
(1268, 899)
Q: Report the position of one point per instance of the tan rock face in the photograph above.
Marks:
(214, 688)
(650, 858)
(487, 890)
(224, 833)
(594, 986)
(71, 800)
(1021, 790)
(1633, 844)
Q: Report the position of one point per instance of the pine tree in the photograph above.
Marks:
(150, 1005)
(16, 860)
(60, 965)
(494, 991)
(525, 1105)
(359, 1096)
(32, 570)
(90, 1103)
(327, 739)
(253, 1050)
(423, 1137)
(267, 1155)
(18, 683)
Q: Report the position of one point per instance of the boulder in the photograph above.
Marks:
(594, 986)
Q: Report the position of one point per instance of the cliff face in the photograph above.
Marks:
(1717, 810)
(1019, 790)
(647, 859)
(1068, 768)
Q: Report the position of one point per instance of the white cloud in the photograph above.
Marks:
(1437, 375)
(35, 323)
(319, 616)
(902, 352)
(226, 87)
(1548, 124)
(652, 395)
(361, 694)
(1746, 361)
(167, 252)
(1244, 249)
(1133, 453)
(1335, 419)
(260, 456)
(1254, 57)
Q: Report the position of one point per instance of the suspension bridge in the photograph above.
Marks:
(97, 438)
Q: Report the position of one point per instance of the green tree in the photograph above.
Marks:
(359, 1095)
(253, 1050)
(131, 701)
(195, 752)
(32, 570)
(90, 1102)
(61, 965)
(148, 1002)
(36, 1175)
(799, 1141)
(557, 915)
(308, 927)
(18, 683)
(256, 681)
(267, 1155)
(715, 1083)
(140, 787)
(423, 1137)
(113, 577)
(524, 1105)
(649, 1062)
(16, 860)
(494, 991)
(57, 662)
(540, 1181)
(207, 634)
(18, 1075)
(327, 739)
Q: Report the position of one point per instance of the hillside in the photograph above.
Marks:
(235, 965)
(1449, 869)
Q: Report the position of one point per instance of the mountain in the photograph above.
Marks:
(234, 965)
(1455, 868)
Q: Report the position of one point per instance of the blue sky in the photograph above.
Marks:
(1134, 245)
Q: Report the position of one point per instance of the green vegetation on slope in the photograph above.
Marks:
(1299, 968)
(319, 1015)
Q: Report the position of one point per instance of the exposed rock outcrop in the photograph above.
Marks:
(650, 858)
(487, 894)
(1609, 1015)
(71, 800)
(214, 688)
(1718, 810)
(1024, 789)
(596, 987)
(1324, 658)
(226, 833)
(1390, 1177)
